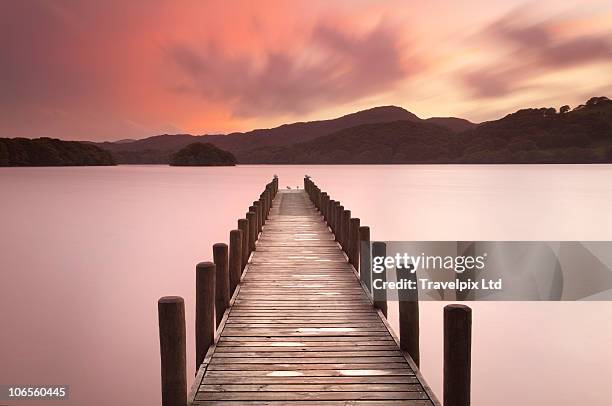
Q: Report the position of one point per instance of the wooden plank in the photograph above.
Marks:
(299, 367)
(386, 402)
(298, 396)
(298, 375)
(303, 387)
(335, 380)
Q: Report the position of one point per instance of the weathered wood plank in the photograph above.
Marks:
(298, 396)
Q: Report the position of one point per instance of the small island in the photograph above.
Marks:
(51, 152)
(202, 154)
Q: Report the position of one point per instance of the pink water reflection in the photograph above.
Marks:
(86, 253)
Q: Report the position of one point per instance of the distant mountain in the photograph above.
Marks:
(582, 135)
(202, 154)
(158, 149)
(51, 152)
(394, 142)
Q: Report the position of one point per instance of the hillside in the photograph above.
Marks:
(51, 152)
(582, 135)
(543, 135)
(395, 142)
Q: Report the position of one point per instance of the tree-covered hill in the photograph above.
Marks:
(202, 154)
(51, 152)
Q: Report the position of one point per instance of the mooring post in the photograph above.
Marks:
(222, 280)
(379, 249)
(346, 223)
(354, 242)
(339, 217)
(257, 207)
(264, 210)
(243, 225)
(409, 316)
(268, 198)
(457, 354)
(365, 259)
(325, 205)
(235, 260)
(171, 313)
(205, 309)
(252, 218)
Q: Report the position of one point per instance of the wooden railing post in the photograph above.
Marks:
(409, 317)
(258, 211)
(323, 207)
(205, 309)
(222, 280)
(346, 223)
(252, 218)
(379, 249)
(264, 210)
(331, 214)
(235, 260)
(243, 225)
(365, 259)
(339, 215)
(171, 313)
(457, 354)
(354, 242)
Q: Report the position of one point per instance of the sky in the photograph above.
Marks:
(115, 69)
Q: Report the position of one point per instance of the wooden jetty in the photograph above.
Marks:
(295, 325)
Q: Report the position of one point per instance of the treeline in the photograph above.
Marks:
(51, 152)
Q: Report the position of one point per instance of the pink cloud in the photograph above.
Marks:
(342, 67)
(532, 50)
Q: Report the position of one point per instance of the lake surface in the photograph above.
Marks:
(86, 252)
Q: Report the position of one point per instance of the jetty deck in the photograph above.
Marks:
(301, 329)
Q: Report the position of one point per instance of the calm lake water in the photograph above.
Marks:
(86, 252)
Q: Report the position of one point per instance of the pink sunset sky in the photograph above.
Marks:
(109, 70)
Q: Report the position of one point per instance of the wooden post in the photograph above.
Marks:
(409, 316)
(243, 225)
(171, 313)
(346, 223)
(379, 249)
(235, 260)
(257, 207)
(268, 200)
(365, 259)
(222, 280)
(252, 218)
(354, 242)
(264, 213)
(339, 216)
(332, 214)
(205, 309)
(324, 205)
(457, 354)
